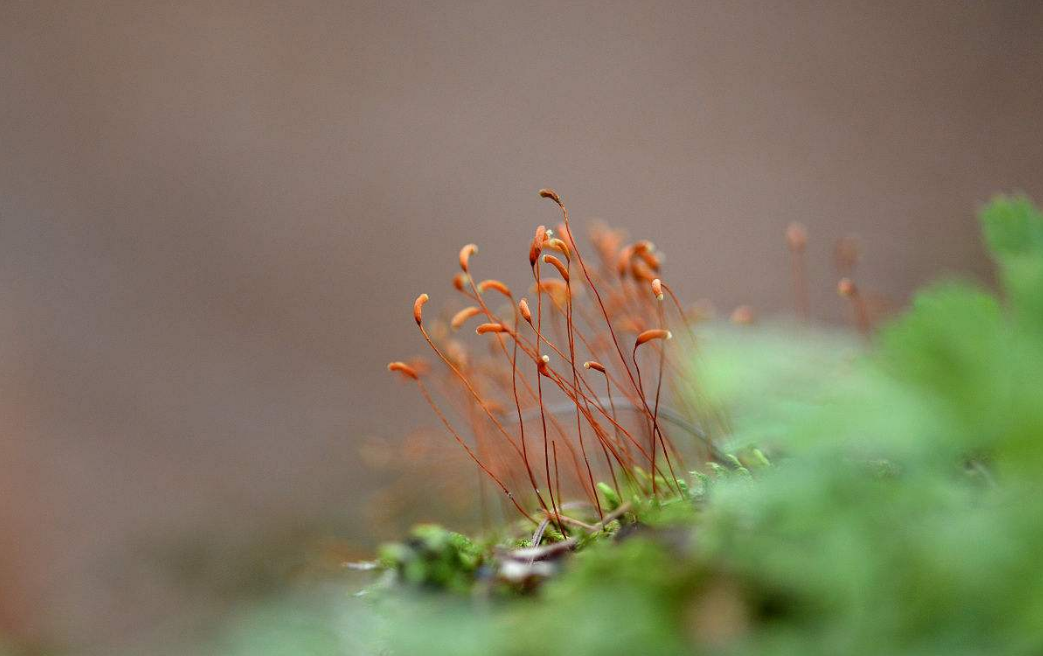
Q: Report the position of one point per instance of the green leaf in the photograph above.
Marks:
(1014, 232)
(954, 345)
(1013, 227)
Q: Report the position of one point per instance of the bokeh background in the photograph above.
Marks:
(214, 217)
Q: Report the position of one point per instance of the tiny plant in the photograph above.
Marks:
(546, 407)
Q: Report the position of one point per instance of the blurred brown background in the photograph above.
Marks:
(214, 217)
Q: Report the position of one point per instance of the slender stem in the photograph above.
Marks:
(575, 384)
(461, 442)
(604, 311)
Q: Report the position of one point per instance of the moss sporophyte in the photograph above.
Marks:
(585, 382)
(754, 489)
(518, 398)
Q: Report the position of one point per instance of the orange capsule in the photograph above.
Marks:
(846, 287)
(417, 307)
(640, 271)
(654, 333)
(490, 328)
(523, 307)
(461, 317)
(465, 255)
(551, 194)
(796, 236)
(403, 369)
(557, 264)
(560, 246)
(653, 261)
(643, 246)
(657, 289)
(537, 244)
(459, 280)
(596, 366)
(542, 365)
(496, 285)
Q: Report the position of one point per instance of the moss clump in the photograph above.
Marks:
(433, 557)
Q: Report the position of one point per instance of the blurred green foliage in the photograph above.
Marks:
(884, 499)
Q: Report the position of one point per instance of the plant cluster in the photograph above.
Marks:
(593, 345)
(901, 513)
(884, 496)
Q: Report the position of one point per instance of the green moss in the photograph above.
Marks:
(433, 557)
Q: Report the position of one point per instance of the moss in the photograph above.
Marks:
(433, 557)
(900, 512)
